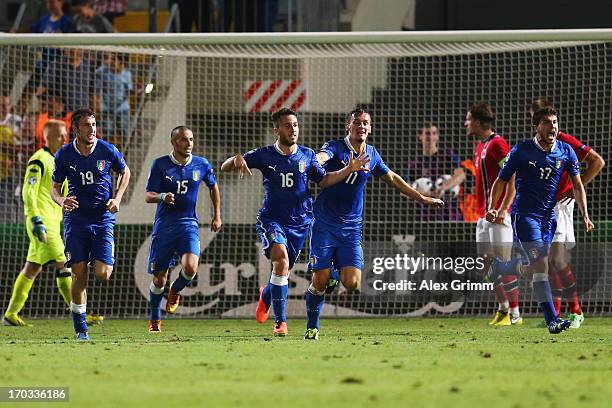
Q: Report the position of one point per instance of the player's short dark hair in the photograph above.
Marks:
(482, 112)
(78, 114)
(276, 116)
(181, 128)
(539, 104)
(427, 125)
(539, 114)
(355, 113)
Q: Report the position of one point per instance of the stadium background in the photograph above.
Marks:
(403, 85)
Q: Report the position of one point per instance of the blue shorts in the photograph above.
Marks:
(89, 242)
(340, 247)
(272, 232)
(167, 247)
(534, 235)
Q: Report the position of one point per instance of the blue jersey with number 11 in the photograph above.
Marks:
(170, 176)
(341, 205)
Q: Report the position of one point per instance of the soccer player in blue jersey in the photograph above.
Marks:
(173, 185)
(89, 208)
(538, 164)
(337, 230)
(284, 220)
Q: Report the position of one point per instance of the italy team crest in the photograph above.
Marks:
(196, 175)
(302, 166)
(101, 165)
(558, 164)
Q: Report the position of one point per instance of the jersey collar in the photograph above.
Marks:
(488, 138)
(539, 146)
(347, 140)
(278, 149)
(95, 143)
(178, 163)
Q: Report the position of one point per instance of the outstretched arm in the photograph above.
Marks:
(496, 191)
(508, 199)
(215, 197)
(236, 162)
(397, 182)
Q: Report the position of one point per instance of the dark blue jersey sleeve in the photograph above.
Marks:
(59, 171)
(154, 179)
(117, 162)
(253, 158)
(378, 167)
(572, 165)
(208, 175)
(315, 171)
(329, 148)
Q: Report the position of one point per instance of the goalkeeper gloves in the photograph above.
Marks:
(38, 229)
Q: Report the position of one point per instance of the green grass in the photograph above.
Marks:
(453, 362)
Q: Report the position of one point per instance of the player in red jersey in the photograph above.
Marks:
(493, 239)
(560, 275)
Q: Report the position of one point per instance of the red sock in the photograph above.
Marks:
(500, 293)
(569, 288)
(557, 289)
(511, 287)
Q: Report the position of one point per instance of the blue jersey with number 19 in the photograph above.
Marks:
(167, 175)
(285, 179)
(341, 205)
(537, 175)
(89, 179)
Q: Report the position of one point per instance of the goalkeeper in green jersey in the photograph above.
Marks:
(43, 219)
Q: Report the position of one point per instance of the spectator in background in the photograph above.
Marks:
(53, 106)
(87, 21)
(73, 74)
(113, 83)
(10, 132)
(54, 22)
(111, 9)
(439, 174)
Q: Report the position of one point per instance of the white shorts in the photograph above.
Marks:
(489, 233)
(565, 224)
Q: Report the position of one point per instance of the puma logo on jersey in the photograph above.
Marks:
(73, 167)
(343, 162)
(272, 167)
(533, 163)
(169, 178)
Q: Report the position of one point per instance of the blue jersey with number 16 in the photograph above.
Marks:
(167, 175)
(89, 179)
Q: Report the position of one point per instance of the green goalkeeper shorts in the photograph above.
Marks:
(52, 251)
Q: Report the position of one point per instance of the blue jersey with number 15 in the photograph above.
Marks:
(89, 179)
(170, 176)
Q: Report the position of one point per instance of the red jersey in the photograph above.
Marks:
(581, 150)
(488, 159)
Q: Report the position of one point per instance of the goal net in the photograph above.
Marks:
(225, 92)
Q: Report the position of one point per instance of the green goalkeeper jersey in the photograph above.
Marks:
(37, 187)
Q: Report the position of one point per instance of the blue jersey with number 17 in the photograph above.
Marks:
(167, 175)
(89, 180)
(285, 180)
(537, 175)
(341, 205)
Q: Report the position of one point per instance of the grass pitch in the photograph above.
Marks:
(451, 362)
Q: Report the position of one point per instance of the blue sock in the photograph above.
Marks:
(279, 297)
(155, 299)
(544, 297)
(507, 267)
(79, 317)
(314, 307)
(180, 282)
(266, 294)
(79, 321)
